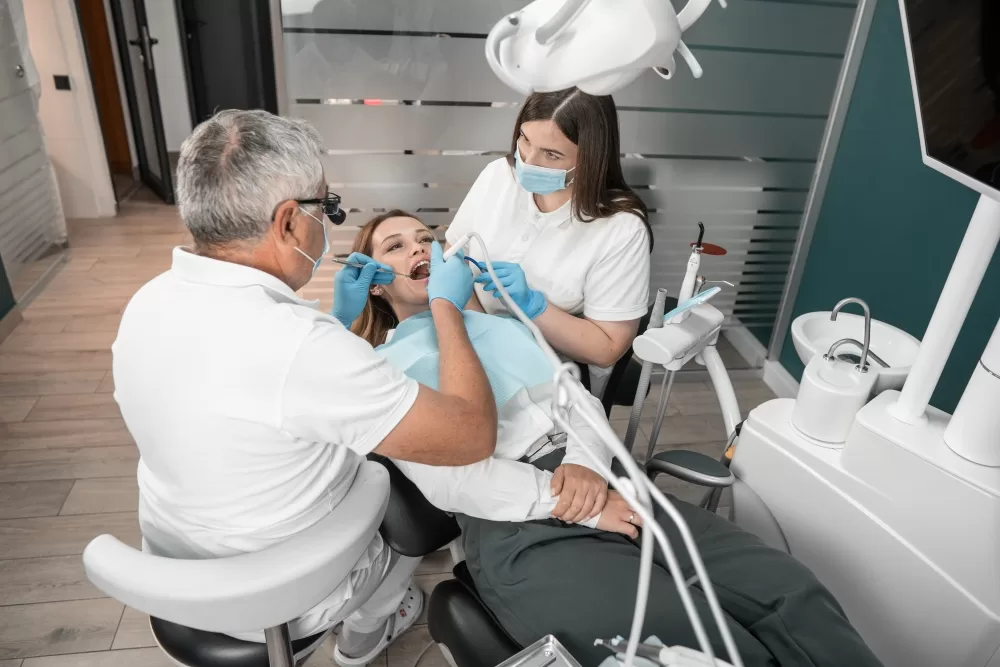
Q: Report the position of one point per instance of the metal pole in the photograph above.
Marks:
(279, 647)
(655, 321)
(661, 409)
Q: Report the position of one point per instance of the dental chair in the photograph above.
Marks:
(191, 603)
(467, 632)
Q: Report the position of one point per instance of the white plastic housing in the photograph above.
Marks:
(903, 531)
(830, 395)
(974, 430)
(673, 345)
(605, 47)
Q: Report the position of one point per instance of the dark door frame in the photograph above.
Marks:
(164, 187)
(185, 45)
(258, 54)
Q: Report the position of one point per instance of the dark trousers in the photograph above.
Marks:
(579, 584)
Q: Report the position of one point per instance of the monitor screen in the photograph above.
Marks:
(955, 56)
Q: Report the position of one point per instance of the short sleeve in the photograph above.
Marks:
(465, 219)
(617, 286)
(339, 391)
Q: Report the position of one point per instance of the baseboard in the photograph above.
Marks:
(701, 375)
(746, 344)
(779, 380)
(29, 295)
(9, 322)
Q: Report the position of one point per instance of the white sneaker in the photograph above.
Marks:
(404, 618)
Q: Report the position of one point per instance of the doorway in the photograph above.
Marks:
(135, 48)
(107, 95)
(179, 62)
(228, 55)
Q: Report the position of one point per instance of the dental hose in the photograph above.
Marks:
(637, 490)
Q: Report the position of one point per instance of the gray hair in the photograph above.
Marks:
(237, 166)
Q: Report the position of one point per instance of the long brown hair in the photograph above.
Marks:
(377, 318)
(590, 122)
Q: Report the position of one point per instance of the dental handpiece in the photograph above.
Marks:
(455, 247)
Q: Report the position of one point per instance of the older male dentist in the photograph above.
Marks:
(253, 410)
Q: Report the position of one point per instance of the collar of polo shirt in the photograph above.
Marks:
(562, 216)
(209, 271)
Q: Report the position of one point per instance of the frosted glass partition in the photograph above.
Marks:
(411, 112)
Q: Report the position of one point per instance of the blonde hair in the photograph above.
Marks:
(378, 317)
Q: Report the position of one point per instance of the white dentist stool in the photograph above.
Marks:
(193, 603)
(832, 390)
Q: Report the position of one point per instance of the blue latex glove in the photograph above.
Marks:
(512, 277)
(351, 285)
(451, 280)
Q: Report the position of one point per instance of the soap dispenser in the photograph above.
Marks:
(832, 391)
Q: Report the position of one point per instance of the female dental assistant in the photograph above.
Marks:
(567, 236)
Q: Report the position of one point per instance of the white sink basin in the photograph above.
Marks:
(814, 333)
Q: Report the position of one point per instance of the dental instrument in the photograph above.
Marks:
(460, 244)
(693, 266)
(637, 489)
(696, 300)
(359, 265)
(554, 44)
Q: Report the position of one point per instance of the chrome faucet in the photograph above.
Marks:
(831, 353)
(863, 364)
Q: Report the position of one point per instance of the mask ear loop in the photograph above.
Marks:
(566, 185)
(326, 243)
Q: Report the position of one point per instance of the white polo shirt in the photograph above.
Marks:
(599, 269)
(252, 411)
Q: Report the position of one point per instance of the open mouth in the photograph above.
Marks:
(421, 271)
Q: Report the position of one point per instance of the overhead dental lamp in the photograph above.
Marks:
(598, 46)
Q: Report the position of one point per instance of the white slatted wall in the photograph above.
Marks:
(735, 149)
(30, 216)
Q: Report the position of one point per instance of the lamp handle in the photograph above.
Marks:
(505, 27)
(692, 12)
(562, 18)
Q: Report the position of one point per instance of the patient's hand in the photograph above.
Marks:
(582, 493)
(618, 517)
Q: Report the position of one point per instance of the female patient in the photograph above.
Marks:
(554, 552)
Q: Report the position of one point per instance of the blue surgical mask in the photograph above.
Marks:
(326, 243)
(539, 180)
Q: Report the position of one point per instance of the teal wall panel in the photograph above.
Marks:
(889, 226)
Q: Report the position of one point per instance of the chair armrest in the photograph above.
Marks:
(249, 591)
(412, 525)
(692, 467)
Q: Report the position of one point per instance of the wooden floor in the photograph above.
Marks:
(67, 462)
